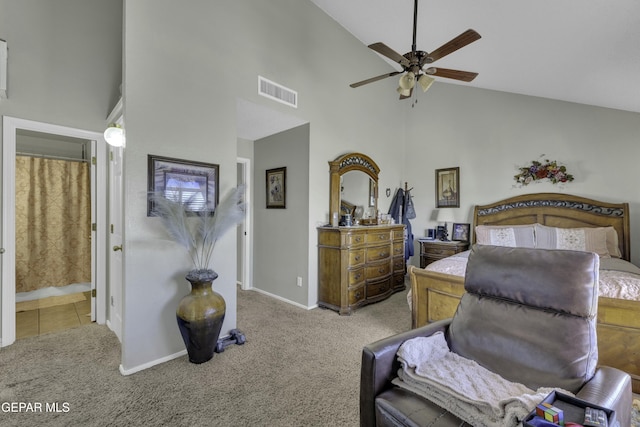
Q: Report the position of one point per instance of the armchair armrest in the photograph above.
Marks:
(610, 388)
(380, 365)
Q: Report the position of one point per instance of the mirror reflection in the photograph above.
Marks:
(356, 193)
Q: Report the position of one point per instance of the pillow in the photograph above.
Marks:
(612, 242)
(515, 236)
(587, 239)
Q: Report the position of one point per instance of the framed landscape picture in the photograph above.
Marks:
(193, 184)
(448, 188)
(276, 188)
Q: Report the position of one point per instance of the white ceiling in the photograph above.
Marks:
(584, 51)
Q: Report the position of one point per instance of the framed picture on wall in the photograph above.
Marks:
(276, 188)
(193, 184)
(448, 188)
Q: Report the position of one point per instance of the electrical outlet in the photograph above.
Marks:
(299, 281)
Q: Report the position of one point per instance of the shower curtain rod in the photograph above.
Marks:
(46, 156)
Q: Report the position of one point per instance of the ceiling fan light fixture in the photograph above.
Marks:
(403, 92)
(425, 82)
(408, 80)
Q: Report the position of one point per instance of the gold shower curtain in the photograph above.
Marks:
(53, 223)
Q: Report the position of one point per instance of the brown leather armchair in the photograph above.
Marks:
(528, 315)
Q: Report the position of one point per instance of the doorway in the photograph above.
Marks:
(12, 127)
(53, 233)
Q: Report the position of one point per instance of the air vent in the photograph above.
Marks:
(277, 92)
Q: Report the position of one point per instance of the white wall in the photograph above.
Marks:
(489, 134)
(185, 67)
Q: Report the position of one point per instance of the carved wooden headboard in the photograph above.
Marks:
(558, 210)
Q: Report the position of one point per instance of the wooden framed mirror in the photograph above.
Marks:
(356, 163)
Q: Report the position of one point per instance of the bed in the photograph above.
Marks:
(436, 290)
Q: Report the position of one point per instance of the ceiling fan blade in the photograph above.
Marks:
(374, 79)
(465, 76)
(461, 41)
(385, 50)
(408, 96)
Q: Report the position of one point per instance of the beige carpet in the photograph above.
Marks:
(49, 302)
(297, 368)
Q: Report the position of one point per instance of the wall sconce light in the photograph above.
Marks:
(114, 135)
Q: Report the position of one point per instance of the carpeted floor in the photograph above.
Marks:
(297, 368)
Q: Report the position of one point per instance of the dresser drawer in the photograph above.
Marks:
(356, 257)
(356, 276)
(355, 239)
(376, 271)
(398, 281)
(356, 295)
(398, 234)
(398, 248)
(379, 288)
(378, 253)
(379, 236)
(398, 264)
(439, 251)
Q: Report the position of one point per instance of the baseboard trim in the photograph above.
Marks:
(148, 365)
(288, 301)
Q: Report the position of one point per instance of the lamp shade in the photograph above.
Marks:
(408, 80)
(404, 92)
(114, 135)
(445, 215)
(425, 82)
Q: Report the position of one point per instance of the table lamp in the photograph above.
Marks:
(444, 216)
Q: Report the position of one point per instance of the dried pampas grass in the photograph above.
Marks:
(198, 234)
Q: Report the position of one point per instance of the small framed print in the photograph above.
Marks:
(276, 188)
(461, 232)
(448, 188)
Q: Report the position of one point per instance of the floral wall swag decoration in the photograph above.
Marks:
(538, 170)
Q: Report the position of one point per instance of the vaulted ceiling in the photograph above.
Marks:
(584, 51)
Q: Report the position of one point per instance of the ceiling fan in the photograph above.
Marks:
(413, 62)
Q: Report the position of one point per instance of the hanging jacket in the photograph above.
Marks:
(402, 205)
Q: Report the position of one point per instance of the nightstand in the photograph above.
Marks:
(433, 250)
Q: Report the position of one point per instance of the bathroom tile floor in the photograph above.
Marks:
(51, 319)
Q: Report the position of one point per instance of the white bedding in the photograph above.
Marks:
(619, 279)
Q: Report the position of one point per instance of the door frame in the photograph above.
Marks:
(10, 125)
(247, 261)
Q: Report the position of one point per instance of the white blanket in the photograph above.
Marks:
(469, 391)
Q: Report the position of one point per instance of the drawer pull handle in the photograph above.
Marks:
(358, 295)
(357, 258)
(382, 236)
(357, 276)
(381, 270)
(357, 239)
(383, 254)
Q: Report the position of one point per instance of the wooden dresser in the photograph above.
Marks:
(359, 265)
